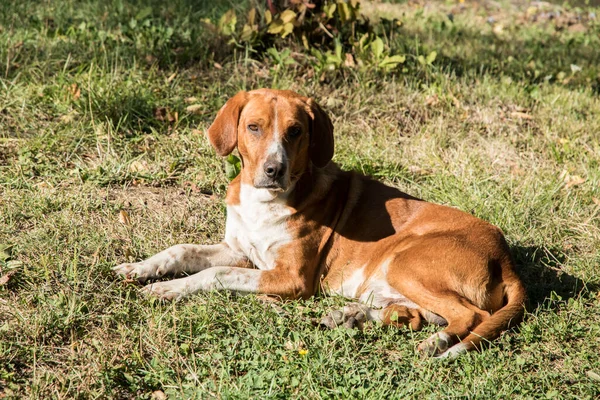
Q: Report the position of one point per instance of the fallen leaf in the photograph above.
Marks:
(521, 115)
(190, 100)
(75, 91)
(573, 180)
(160, 113)
(593, 375)
(578, 28)
(6, 277)
(68, 118)
(432, 100)
(194, 108)
(455, 101)
(172, 76)
(124, 217)
(192, 186)
(217, 65)
(163, 114)
(517, 171)
(150, 59)
(138, 166)
(596, 201)
(158, 395)
(349, 62)
(531, 11)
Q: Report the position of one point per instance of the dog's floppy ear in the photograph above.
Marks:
(223, 131)
(321, 135)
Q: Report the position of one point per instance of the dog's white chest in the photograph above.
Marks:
(257, 226)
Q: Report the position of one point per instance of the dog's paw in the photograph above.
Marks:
(139, 271)
(168, 290)
(435, 345)
(351, 316)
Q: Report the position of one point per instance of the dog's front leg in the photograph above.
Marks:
(180, 259)
(275, 282)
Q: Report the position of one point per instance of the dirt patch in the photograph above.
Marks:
(175, 212)
(163, 200)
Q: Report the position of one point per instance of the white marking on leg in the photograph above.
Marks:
(436, 343)
(350, 284)
(239, 280)
(179, 259)
(379, 293)
(454, 351)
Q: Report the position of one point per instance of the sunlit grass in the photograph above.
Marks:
(95, 118)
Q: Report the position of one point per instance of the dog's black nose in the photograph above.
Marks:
(274, 169)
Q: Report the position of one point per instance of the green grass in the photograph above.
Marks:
(94, 120)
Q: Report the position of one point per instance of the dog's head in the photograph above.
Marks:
(278, 134)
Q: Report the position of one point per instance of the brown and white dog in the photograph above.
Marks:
(296, 222)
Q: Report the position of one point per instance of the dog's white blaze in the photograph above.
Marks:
(257, 227)
(276, 147)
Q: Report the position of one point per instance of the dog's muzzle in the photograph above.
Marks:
(273, 176)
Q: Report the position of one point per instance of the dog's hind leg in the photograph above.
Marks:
(461, 315)
(354, 315)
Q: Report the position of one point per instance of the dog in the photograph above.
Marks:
(297, 223)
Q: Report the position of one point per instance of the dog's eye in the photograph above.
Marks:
(253, 128)
(294, 131)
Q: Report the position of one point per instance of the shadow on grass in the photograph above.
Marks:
(540, 270)
(531, 57)
(132, 113)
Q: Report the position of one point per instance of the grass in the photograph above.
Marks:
(94, 119)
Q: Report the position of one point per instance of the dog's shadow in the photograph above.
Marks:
(541, 270)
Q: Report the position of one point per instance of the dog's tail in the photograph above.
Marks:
(509, 315)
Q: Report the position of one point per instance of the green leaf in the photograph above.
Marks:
(275, 27)
(5, 251)
(431, 57)
(343, 11)
(287, 16)
(232, 167)
(377, 47)
(329, 10)
(227, 22)
(272, 51)
(143, 13)
(247, 33)
(390, 62)
(251, 16)
(288, 28)
(338, 51)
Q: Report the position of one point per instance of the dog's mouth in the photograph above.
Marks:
(272, 186)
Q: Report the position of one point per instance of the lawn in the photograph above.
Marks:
(103, 105)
